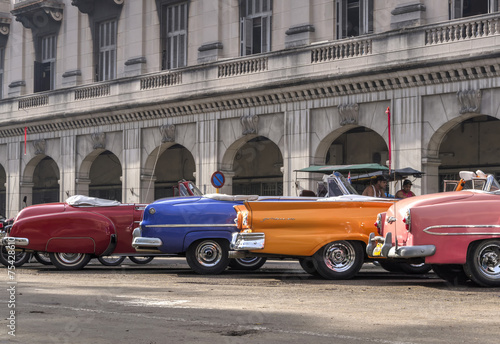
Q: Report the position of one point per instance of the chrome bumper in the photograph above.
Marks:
(248, 241)
(145, 244)
(389, 251)
(14, 241)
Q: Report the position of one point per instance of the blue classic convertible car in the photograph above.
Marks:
(199, 227)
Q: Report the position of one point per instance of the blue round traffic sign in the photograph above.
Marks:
(218, 179)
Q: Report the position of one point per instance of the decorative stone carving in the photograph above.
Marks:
(39, 146)
(98, 140)
(348, 114)
(250, 124)
(5, 23)
(36, 14)
(167, 133)
(470, 101)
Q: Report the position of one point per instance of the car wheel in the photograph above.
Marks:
(42, 258)
(308, 265)
(483, 263)
(390, 265)
(111, 260)
(69, 261)
(451, 273)
(339, 259)
(208, 256)
(416, 269)
(141, 260)
(20, 257)
(248, 264)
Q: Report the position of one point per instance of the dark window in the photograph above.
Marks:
(45, 69)
(174, 35)
(354, 17)
(468, 8)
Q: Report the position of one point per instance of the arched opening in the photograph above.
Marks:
(3, 192)
(46, 182)
(105, 177)
(174, 164)
(257, 168)
(469, 146)
(359, 145)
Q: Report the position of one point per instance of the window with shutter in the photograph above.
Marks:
(255, 26)
(107, 50)
(174, 35)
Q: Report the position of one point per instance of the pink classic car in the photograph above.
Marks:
(457, 232)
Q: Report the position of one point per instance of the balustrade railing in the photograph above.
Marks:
(342, 50)
(462, 30)
(92, 92)
(162, 80)
(34, 101)
(243, 67)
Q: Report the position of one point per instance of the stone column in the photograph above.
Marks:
(70, 49)
(430, 180)
(209, 45)
(13, 172)
(206, 156)
(406, 119)
(134, 55)
(16, 58)
(68, 166)
(297, 151)
(131, 179)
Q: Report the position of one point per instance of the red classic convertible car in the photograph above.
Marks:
(457, 232)
(75, 231)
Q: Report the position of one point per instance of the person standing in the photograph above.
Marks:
(405, 192)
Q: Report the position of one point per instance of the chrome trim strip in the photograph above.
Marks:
(192, 225)
(428, 230)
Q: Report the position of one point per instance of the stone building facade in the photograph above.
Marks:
(120, 98)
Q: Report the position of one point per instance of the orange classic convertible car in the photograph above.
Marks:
(328, 236)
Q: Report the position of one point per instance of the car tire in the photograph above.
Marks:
(451, 273)
(389, 265)
(415, 269)
(141, 260)
(208, 257)
(247, 264)
(42, 258)
(308, 265)
(20, 258)
(111, 260)
(483, 263)
(339, 260)
(69, 261)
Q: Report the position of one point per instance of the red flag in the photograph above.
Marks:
(25, 138)
(388, 112)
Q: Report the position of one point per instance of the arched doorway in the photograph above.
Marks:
(469, 146)
(257, 168)
(359, 145)
(105, 177)
(3, 192)
(174, 164)
(46, 181)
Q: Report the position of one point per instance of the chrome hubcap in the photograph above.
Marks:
(70, 258)
(489, 260)
(209, 253)
(339, 256)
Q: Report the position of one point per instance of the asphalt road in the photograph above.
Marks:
(164, 302)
